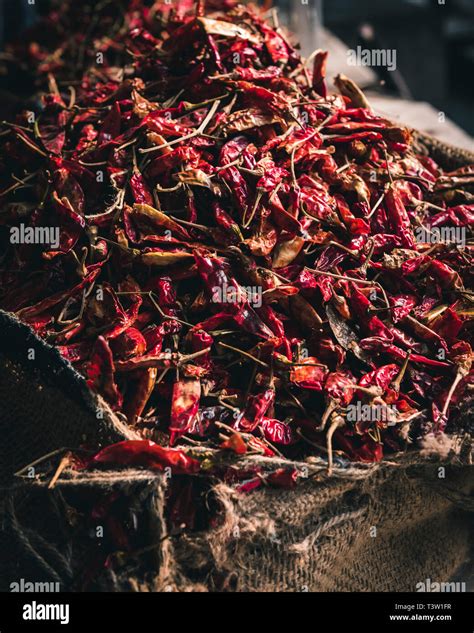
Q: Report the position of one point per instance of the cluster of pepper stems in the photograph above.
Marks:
(239, 259)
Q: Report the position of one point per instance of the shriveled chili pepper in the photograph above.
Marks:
(184, 406)
(398, 217)
(145, 453)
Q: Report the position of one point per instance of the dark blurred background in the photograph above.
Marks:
(434, 40)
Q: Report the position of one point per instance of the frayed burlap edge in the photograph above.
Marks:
(298, 539)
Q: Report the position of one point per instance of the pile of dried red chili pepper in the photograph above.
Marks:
(244, 261)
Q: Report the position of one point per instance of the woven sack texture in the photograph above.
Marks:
(382, 528)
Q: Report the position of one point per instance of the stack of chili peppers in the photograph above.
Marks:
(243, 260)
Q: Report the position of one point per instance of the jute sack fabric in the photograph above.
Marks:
(384, 528)
(447, 156)
(44, 403)
(367, 528)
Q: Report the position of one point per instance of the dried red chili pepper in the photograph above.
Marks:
(145, 453)
(398, 217)
(184, 406)
(101, 372)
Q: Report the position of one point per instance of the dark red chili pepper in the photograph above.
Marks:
(235, 443)
(184, 407)
(147, 454)
(257, 407)
(101, 370)
(278, 432)
(319, 72)
(398, 217)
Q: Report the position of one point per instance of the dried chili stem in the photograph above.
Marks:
(258, 197)
(243, 353)
(187, 137)
(331, 407)
(398, 380)
(376, 206)
(334, 426)
(459, 376)
(64, 463)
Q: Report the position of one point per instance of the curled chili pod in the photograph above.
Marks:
(235, 443)
(147, 454)
(200, 340)
(398, 217)
(256, 408)
(319, 72)
(130, 343)
(140, 189)
(142, 388)
(101, 373)
(278, 432)
(445, 275)
(154, 218)
(184, 407)
(309, 374)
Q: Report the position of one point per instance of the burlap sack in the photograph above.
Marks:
(384, 527)
(45, 404)
(447, 156)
